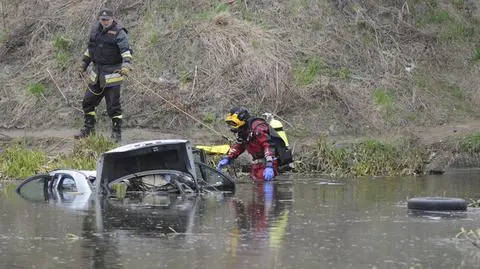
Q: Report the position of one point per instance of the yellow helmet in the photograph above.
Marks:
(237, 117)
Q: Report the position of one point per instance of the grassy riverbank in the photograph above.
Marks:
(367, 157)
(350, 67)
(21, 158)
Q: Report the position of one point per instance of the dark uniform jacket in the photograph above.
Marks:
(108, 49)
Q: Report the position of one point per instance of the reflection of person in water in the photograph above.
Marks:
(264, 218)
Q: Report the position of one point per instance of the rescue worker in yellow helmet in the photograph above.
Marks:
(109, 51)
(253, 135)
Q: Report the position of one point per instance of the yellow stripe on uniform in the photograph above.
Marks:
(117, 117)
(112, 78)
(126, 54)
(92, 113)
(87, 53)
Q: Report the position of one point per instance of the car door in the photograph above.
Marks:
(35, 188)
(211, 178)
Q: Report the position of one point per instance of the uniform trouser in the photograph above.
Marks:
(94, 95)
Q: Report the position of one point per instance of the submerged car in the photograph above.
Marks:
(145, 172)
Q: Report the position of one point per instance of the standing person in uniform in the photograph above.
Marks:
(111, 55)
(253, 135)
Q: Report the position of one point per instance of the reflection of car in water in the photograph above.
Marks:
(170, 214)
(140, 172)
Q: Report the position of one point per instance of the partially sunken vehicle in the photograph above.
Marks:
(145, 172)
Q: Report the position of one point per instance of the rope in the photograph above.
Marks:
(82, 75)
(181, 110)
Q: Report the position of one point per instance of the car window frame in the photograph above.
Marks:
(225, 178)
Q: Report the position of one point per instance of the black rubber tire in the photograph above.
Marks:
(437, 204)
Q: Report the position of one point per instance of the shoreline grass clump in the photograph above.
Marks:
(85, 153)
(367, 158)
(18, 161)
(470, 144)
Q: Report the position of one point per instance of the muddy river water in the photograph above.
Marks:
(292, 223)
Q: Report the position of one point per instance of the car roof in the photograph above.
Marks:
(147, 143)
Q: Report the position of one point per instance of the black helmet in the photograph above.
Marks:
(237, 117)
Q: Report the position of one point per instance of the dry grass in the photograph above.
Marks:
(206, 56)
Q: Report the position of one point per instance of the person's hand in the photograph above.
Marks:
(125, 70)
(81, 69)
(222, 163)
(268, 173)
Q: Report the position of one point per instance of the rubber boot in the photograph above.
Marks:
(116, 130)
(88, 127)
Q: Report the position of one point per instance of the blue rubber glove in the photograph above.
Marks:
(268, 173)
(222, 163)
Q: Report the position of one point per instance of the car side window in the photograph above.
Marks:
(67, 184)
(35, 188)
(212, 177)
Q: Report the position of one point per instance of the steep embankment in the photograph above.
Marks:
(349, 68)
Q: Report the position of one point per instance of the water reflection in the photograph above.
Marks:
(291, 223)
(99, 249)
(260, 225)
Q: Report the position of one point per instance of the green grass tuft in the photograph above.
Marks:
(342, 72)
(223, 7)
(85, 153)
(470, 144)
(383, 98)
(456, 31)
(154, 38)
(420, 80)
(386, 101)
(36, 88)
(437, 16)
(209, 117)
(3, 37)
(62, 43)
(92, 146)
(306, 72)
(476, 54)
(458, 4)
(63, 59)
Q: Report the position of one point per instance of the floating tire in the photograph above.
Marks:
(437, 204)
